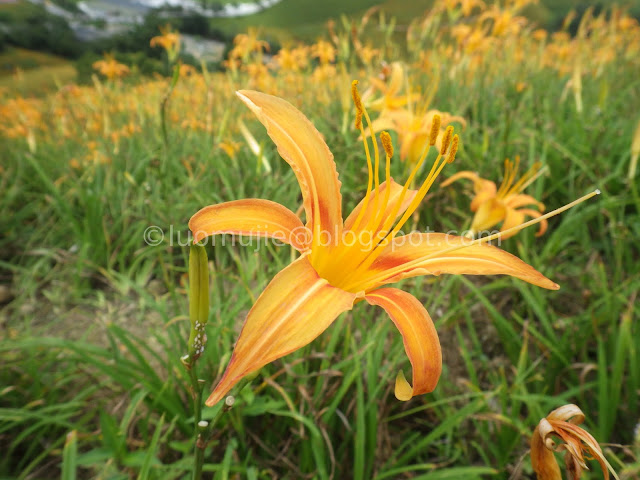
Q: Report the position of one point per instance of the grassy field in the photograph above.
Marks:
(27, 73)
(291, 20)
(94, 305)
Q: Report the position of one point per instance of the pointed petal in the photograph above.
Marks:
(293, 310)
(419, 336)
(431, 254)
(383, 122)
(255, 217)
(302, 146)
(522, 200)
(484, 189)
(394, 196)
(535, 214)
(469, 175)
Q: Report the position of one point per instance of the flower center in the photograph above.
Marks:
(345, 261)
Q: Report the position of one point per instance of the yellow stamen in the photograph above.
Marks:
(525, 180)
(358, 103)
(356, 224)
(505, 178)
(534, 177)
(446, 139)
(385, 138)
(357, 274)
(435, 130)
(388, 148)
(454, 149)
(361, 110)
(510, 172)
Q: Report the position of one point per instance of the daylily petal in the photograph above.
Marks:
(383, 122)
(394, 196)
(430, 254)
(293, 310)
(419, 336)
(512, 218)
(413, 148)
(260, 218)
(392, 120)
(485, 191)
(488, 214)
(535, 214)
(469, 175)
(522, 200)
(302, 146)
(567, 413)
(543, 461)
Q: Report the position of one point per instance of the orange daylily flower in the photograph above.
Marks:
(562, 423)
(494, 205)
(413, 129)
(412, 125)
(391, 89)
(169, 41)
(343, 262)
(110, 68)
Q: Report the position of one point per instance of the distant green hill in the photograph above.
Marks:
(306, 19)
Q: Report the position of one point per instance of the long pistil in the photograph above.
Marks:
(375, 281)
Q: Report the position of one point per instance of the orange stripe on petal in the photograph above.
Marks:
(255, 217)
(430, 254)
(302, 146)
(294, 309)
(419, 336)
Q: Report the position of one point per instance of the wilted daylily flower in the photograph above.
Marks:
(494, 205)
(342, 262)
(562, 424)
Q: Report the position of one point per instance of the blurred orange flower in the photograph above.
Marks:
(110, 68)
(494, 205)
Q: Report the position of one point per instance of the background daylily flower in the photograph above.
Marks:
(169, 41)
(494, 205)
(562, 424)
(413, 125)
(391, 88)
(110, 68)
(342, 262)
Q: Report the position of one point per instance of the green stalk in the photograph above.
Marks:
(198, 315)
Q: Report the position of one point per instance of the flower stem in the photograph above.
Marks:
(199, 445)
